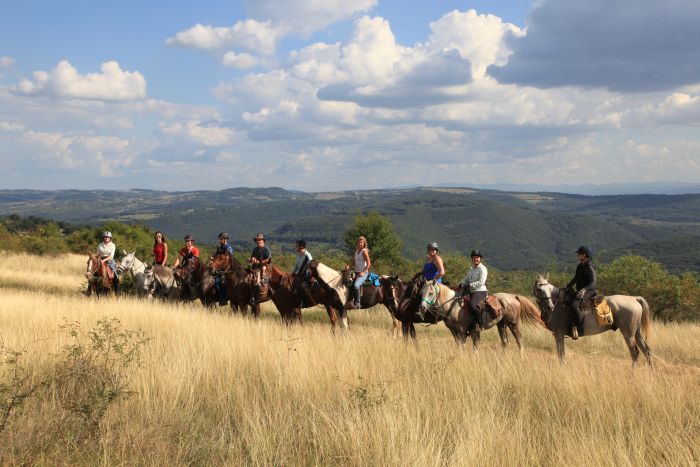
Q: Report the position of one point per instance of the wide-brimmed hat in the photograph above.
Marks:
(259, 237)
(189, 237)
(223, 235)
(476, 253)
(107, 234)
(585, 250)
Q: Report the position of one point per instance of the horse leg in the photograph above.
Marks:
(332, 315)
(634, 350)
(503, 334)
(459, 337)
(405, 329)
(561, 350)
(642, 344)
(476, 337)
(396, 327)
(412, 330)
(517, 333)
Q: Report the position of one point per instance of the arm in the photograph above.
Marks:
(440, 268)
(365, 253)
(165, 254)
(481, 279)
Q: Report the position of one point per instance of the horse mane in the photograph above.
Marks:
(330, 276)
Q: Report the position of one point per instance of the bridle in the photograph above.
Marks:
(434, 307)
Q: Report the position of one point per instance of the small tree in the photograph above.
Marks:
(383, 241)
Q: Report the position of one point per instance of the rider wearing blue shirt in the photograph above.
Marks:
(433, 269)
(219, 279)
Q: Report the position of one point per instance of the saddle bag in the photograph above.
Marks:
(493, 307)
(603, 313)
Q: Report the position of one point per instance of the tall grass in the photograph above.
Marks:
(216, 388)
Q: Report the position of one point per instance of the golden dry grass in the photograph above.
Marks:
(221, 389)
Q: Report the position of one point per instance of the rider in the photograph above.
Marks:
(433, 269)
(220, 279)
(160, 249)
(260, 257)
(361, 263)
(585, 282)
(105, 251)
(188, 251)
(303, 258)
(475, 284)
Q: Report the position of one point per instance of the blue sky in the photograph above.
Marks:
(347, 94)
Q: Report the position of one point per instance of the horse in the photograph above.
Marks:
(143, 279)
(440, 300)
(402, 301)
(235, 276)
(194, 281)
(325, 287)
(370, 295)
(631, 316)
(99, 276)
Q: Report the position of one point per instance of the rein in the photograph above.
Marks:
(434, 306)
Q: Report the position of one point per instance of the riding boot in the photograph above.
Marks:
(352, 303)
(115, 284)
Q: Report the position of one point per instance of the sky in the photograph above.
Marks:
(347, 94)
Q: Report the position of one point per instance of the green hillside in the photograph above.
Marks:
(514, 230)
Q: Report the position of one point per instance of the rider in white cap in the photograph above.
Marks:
(105, 251)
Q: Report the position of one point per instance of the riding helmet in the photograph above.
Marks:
(189, 237)
(223, 235)
(476, 253)
(433, 246)
(585, 250)
(301, 243)
(107, 233)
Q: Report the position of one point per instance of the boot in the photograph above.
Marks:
(352, 303)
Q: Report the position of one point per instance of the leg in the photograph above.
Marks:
(459, 338)
(559, 339)
(517, 334)
(503, 334)
(476, 337)
(642, 344)
(632, 346)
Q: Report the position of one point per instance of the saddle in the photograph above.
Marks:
(108, 272)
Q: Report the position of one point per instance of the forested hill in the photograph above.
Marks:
(515, 230)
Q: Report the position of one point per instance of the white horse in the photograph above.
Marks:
(630, 315)
(143, 277)
(158, 280)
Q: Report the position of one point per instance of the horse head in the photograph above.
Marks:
(545, 293)
(393, 290)
(348, 276)
(127, 262)
(219, 262)
(429, 295)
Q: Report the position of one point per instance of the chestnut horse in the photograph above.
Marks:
(403, 302)
(99, 276)
(194, 281)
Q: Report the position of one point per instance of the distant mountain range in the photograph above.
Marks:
(516, 229)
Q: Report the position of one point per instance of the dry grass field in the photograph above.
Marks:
(213, 388)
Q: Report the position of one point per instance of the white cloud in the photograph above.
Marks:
(106, 154)
(208, 135)
(240, 61)
(11, 126)
(112, 83)
(306, 16)
(481, 39)
(6, 62)
(255, 36)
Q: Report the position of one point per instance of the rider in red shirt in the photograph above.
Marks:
(188, 250)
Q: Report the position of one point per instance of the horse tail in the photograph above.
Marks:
(529, 312)
(646, 317)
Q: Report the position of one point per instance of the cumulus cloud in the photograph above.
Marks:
(307, 16)
(622, 45)
(107, 154)
(6, 62)
(111, 84)
(10, 126)
(256, 36)
(208, 134)
(240, 61)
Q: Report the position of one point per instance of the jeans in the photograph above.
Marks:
(359, 280)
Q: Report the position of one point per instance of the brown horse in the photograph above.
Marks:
(194, 281)
(403, 302)
(239, 289)
(99, 276)
(440, 299)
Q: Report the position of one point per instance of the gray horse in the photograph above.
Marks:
(630, 315)
(158, 280)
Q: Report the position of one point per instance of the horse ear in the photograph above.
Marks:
(133, 253)
(125, 253)
(547, 277)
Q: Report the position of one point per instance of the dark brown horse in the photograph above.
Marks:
(194, 281)
(239, 289)
(99, 276)
(403, 302)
